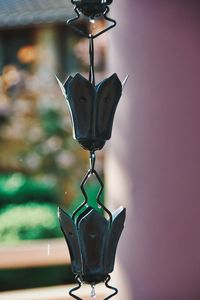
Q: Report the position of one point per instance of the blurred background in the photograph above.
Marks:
(40, 163)
(151, 164)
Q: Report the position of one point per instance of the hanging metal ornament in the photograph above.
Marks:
(91, 237)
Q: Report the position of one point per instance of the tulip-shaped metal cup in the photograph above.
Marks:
(92, 241)
(92, 108)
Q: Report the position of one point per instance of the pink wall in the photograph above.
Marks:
(155, 149)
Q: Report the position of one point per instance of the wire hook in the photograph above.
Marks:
(92, 161)
(89, 35)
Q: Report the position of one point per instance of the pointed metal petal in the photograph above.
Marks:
(80, 94)
(93, 232)
(67, 82)
(61, 87)
(125, 82)
(115, 233)
(83, 214)
(70, 232)
(108, 94)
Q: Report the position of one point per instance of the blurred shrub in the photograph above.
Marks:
(17, 188)
(35, 277)
(28, 222)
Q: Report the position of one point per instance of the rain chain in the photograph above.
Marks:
(92, 238)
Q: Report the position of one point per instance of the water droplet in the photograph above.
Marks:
(93, 292)
(99, 206)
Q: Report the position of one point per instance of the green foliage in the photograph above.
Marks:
(28, 222)
(35, 277)
(52, 122)
(17, 188)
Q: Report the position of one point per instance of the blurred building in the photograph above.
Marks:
(34, 35)
(35, 45)
(40, 164)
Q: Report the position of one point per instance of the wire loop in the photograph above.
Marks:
(93, 172)
(71, 292)
(111, 288)
(89, 35)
